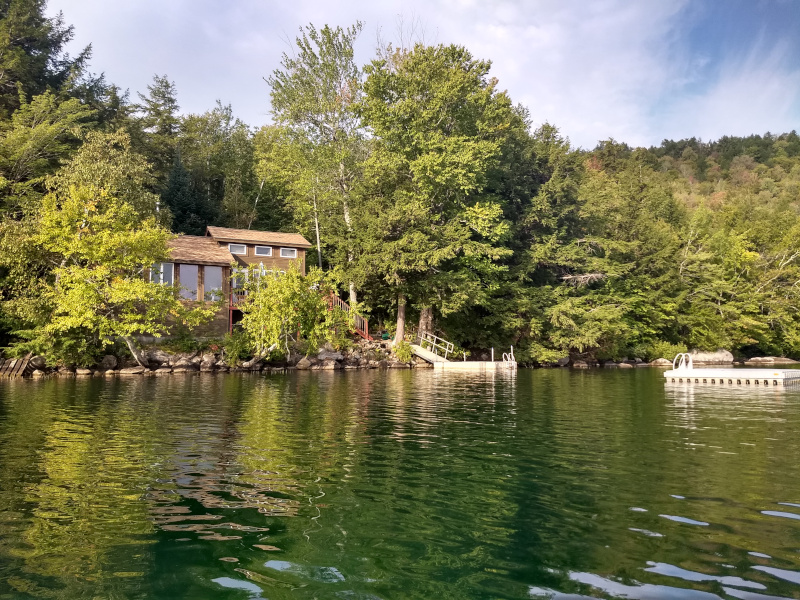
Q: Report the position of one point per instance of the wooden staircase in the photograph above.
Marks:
(361, 323)
(15, 367)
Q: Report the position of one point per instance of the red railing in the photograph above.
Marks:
(237, 297)
(361, 323)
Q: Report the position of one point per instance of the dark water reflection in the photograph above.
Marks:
(398, 485)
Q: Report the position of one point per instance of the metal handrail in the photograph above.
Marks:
(509, 356)
(683, 360)
(435, 343)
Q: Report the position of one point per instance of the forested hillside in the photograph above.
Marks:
(422, 184)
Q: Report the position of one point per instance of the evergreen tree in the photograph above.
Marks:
(32, 60)
(189, 213)
(159, 120)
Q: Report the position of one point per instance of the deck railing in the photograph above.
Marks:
(428, 341)
(360, 323)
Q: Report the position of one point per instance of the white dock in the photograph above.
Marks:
(476, 365)
(683, 371)
(430, 346)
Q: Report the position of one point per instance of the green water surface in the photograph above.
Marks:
(398, 484)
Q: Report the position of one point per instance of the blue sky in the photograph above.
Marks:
(635, 70)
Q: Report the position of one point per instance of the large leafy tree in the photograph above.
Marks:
(439, 124)
(85, 254)
(279, 307)
(313, 96)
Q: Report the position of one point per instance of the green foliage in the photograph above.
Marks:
(659, 349)
(422, 186)
(32, 60)
(402, 351)
(236, 347)
(99, 247)
(281, 306)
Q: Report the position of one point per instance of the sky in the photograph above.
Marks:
(638, 71)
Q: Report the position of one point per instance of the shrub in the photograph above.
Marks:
(659, 349)
(403, 352)
(235, 347)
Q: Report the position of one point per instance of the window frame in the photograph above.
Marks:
(184, 289)
(160, 271)
(213, 294)
(292, 250)
(230, 249)
(257, 248)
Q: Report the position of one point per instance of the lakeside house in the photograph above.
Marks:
(209, 268)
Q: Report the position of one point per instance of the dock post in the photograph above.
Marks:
(492, 354)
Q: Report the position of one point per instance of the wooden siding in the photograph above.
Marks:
(270, 262)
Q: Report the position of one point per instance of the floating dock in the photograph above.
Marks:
(476, 366)
(683, 371)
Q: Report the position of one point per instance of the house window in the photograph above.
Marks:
(263, 250)
(288, 252)
(238, 249)
(188, 278)
(213, 283)
(238, 278)
(162, 273)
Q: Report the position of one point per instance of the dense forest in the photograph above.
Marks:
(433, 197)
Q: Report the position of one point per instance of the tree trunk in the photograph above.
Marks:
(353, 297)
(346, 214)
(316, 229)
(399, 336)
(258, 357)
(137, 352)
(425, 321)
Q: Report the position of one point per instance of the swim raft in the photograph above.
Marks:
(683, 371)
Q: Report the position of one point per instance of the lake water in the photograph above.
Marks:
(398, 484)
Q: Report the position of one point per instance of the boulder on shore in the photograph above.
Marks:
(304, 364)
(109, 362)
(661, 362)
(625, 365)
(719, 357)
(132, 371)
(580, 364)
(770, 360)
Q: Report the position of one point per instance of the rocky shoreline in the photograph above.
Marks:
(365, 355)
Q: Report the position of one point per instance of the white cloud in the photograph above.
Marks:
(753, 94)
(606, 68)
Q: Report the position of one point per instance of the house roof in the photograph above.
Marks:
(198, 250)
(225, 234)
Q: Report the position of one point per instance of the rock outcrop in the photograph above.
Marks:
(720, 357)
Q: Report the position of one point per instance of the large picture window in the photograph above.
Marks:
(162, 273)
(188, 276)
(213, 283)
(288, 252)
